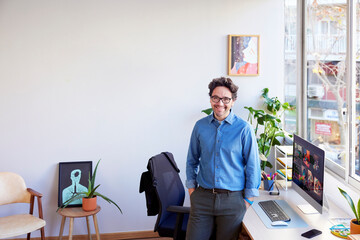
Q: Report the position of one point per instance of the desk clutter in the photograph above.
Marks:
(269, 180)
(341, 227)
(283, 164)
(285, 161)
(340, 231)
(285, 173)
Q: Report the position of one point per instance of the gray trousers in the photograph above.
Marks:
(221, 213)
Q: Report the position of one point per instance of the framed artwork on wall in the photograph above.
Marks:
(73, 178)
(243, 55)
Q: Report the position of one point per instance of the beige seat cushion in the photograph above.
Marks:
(16, 225)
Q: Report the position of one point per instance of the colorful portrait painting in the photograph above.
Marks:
(243, 55)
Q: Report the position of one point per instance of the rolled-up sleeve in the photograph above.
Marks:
(252, 170)
(193, 160)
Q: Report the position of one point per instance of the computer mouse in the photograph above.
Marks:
(279, 223)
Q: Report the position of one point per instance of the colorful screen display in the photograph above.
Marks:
(308, 168)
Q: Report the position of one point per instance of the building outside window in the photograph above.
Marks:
(290, 56)
(324, 80)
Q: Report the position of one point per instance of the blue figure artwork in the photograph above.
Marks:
(75, 187)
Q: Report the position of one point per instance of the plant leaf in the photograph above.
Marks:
(268, 164)
(94, 175)
(350, 201)
(358, 213)
(207, 111)
(75, 197)
(108, 200)
(92, 192)
(271, 121)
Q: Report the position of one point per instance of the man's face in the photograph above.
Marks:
(221, 110)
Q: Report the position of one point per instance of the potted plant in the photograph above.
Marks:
(270, 120)
(354, 223)
(89, 197)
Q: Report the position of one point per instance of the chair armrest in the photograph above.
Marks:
(35, 193)
(180, 213)
(178, 209)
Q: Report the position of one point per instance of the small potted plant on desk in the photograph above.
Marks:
(89, 197)
(354, 223)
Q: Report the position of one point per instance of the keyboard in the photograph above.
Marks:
(274, 211)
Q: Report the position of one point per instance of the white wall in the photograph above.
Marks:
(119, 80)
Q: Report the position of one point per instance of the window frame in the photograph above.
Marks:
(348, 172)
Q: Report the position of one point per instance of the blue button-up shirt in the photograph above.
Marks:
(224, 155)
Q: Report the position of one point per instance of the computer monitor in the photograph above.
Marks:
(308, 174)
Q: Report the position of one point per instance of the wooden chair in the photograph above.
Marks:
(13, 190)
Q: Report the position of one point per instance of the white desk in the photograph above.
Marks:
(258, 231)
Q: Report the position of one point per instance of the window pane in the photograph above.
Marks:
(333, 28)
(324, 27)
(326, 89)
(357, 90)
(290, 63)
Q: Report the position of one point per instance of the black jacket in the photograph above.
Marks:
(148, 183)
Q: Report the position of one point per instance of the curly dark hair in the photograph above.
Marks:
(223, 82)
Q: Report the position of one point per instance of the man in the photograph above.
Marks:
(222, 169)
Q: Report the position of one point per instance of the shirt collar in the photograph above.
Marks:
(229, 119)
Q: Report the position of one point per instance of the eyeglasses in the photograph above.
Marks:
(216, 99)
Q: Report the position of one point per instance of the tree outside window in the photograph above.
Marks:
(326, 75)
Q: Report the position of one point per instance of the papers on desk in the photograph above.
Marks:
(285, 161)
(341, 227)
(286, 173)
(340, 231)
(287, 149)
(343, 221)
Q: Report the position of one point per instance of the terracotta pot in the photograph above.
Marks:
(354, 227)
(89, 204)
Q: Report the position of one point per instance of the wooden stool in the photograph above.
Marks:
(78, 212)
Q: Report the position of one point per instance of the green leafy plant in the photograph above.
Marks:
(90, 193)
(270, 120)
(207, 111)
(352, 205)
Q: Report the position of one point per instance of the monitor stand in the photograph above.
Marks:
(307, 209)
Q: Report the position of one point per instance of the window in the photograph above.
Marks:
(324, 25)
(326, 84)
(330, 104)
(356, 82)
(290, 74)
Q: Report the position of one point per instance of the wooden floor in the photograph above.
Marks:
(164, 238)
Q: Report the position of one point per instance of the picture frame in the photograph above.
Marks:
(244, 55)
(73, 177)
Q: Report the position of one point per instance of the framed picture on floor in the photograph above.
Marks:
(243, 55)
(73, 178)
